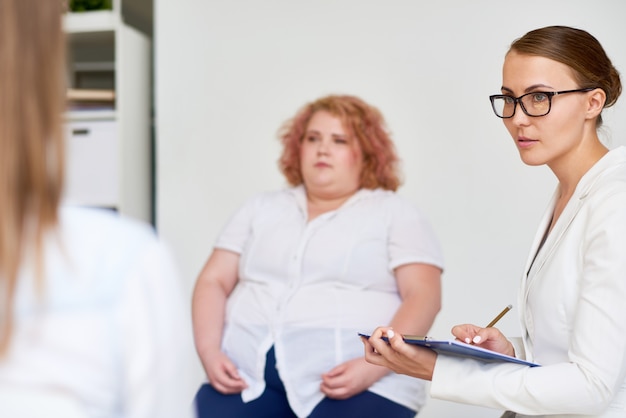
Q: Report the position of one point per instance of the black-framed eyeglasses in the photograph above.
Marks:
(536, 103)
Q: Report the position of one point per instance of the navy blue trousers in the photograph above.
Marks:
(273, 403)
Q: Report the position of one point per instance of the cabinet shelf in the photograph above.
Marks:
(87, 115)
(93, 21)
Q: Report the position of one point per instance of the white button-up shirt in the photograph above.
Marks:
(307, 288)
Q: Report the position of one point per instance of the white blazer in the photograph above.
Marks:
(572, 311)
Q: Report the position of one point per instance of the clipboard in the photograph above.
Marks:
(461, 349)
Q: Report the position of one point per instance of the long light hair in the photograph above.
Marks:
(32, 59)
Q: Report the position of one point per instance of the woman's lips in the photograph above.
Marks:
(524, 142)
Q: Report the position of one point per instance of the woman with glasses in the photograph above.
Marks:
(556, 82)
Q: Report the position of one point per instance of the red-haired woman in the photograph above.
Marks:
(294, 274)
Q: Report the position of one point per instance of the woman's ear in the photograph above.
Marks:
(595, 103)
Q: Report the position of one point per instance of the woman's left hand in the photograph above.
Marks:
(350, 378)
(399, 356)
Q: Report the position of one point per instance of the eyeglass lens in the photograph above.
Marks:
(533, 104)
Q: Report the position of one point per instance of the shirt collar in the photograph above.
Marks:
(299, 194)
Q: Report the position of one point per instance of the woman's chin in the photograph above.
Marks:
(531, 159)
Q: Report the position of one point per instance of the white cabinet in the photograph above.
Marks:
(109, 143)
(93, 163)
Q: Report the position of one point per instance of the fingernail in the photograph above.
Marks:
(477, 339)
(390, 333)
(467, 340)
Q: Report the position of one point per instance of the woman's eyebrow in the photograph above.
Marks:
(527, 89)
(537, 86)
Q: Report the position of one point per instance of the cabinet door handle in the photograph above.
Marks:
(80, 131)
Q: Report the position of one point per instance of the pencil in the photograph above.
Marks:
(500, 315)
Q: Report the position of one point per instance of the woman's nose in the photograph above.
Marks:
(520, 117)
(322, 147)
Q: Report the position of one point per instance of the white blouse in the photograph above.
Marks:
(111, 330)
(307, 288)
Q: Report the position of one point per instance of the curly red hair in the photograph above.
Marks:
(363, 122)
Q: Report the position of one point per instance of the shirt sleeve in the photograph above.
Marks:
(411, 237)
(236, 232)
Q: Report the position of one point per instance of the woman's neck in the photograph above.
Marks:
(569, 171)
(319, 204)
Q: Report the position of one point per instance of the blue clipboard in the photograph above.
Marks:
(461, 349)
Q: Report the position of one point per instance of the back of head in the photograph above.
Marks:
(31, 144)
(580, 51)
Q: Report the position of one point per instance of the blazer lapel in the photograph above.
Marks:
(541, 230)
(584, 187)
(554, 237)
(543, 253)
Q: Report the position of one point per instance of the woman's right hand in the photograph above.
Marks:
(489, 338)
(222, 373)
(215, 283)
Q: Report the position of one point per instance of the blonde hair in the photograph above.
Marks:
(32, 59)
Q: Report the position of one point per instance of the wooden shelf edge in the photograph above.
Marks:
(90, 95)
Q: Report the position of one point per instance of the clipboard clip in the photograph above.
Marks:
(415, 337)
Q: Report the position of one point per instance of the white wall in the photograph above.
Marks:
(229, 73)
